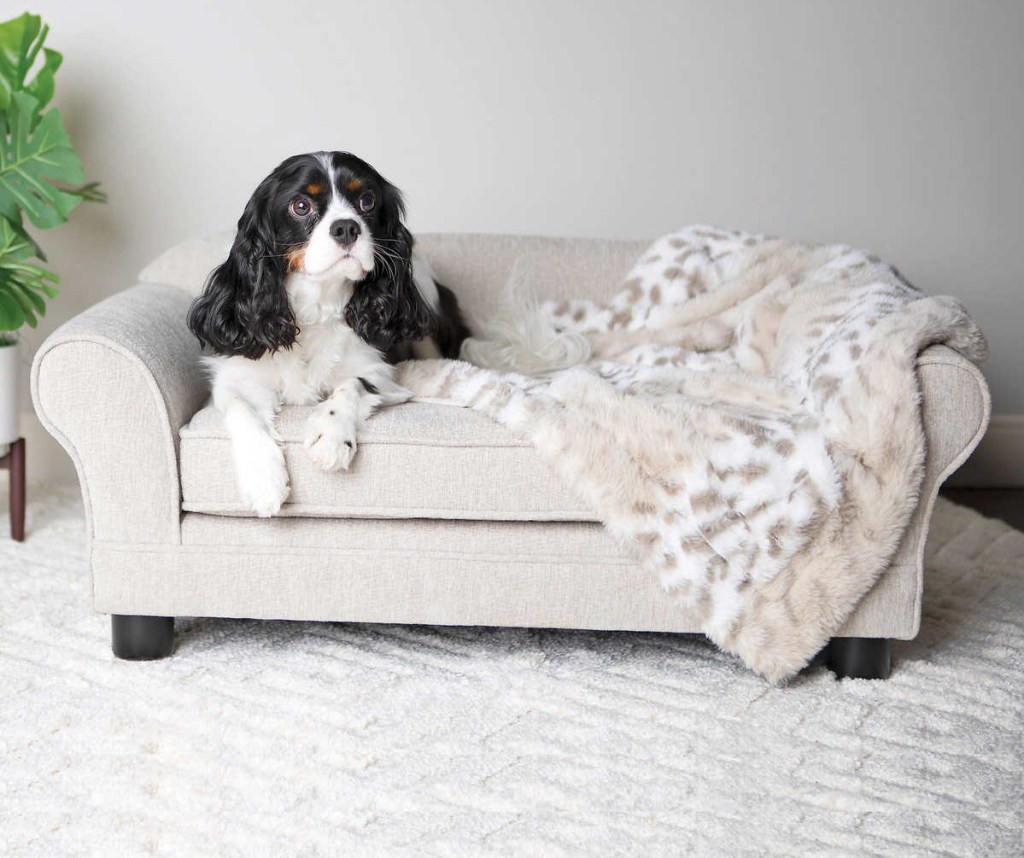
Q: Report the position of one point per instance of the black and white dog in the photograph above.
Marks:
(320, 294)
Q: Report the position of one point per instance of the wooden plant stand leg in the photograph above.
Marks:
(14, 462)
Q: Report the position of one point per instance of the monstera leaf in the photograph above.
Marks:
(22, 284)
(30, 159)
(34, 148)
(38, 169)
(21, 40)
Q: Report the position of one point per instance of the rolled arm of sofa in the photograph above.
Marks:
(113, 386)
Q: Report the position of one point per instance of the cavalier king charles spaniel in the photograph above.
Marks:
(320, 294)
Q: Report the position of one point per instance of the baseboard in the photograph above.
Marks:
(999, 460)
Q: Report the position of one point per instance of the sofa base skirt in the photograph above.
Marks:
(535, 575)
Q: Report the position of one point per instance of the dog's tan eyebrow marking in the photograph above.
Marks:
(354, 184)
(314, 188)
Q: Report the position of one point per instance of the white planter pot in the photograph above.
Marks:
(10, 372)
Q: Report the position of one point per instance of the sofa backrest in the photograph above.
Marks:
(478, 268)
(481, 268)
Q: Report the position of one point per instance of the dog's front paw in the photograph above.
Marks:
(331, 437)
(263, 481)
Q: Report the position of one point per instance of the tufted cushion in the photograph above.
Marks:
(417, 460)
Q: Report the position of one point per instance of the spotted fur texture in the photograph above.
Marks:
(748, 421)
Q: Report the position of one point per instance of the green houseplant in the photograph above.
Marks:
(40, 180)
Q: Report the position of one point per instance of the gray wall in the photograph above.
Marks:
(892, 126)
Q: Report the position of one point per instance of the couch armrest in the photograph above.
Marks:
(113, 386)
(955, 410)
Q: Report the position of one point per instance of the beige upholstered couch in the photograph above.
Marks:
(444, 518)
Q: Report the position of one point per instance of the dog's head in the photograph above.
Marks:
(327, 216)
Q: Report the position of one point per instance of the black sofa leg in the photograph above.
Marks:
(141, 638)
(860, 658)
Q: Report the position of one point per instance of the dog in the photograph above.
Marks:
(321, 293)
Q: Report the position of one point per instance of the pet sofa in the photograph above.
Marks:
(444, 518)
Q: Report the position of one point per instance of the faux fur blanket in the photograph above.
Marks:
(748, 420)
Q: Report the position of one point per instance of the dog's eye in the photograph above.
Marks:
(367, 202)
(301, 207)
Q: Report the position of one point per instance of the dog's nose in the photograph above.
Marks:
(345, 232)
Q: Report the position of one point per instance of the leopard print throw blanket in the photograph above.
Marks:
(747, 421)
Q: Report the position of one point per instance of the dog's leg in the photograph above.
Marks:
(248, 413)
(332, 427)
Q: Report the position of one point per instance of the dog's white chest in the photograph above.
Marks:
(324, 355)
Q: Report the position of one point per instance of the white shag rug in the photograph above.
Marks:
(275, 738)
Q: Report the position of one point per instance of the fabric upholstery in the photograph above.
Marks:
(417, 460)
(476, 267)
(543, 575)
(116, 384)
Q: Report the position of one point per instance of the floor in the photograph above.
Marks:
(1004, 504)
(363, 739)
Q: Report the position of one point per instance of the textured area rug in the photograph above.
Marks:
(275, 738)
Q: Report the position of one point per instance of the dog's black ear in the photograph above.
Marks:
(386, 309)
(244, 308)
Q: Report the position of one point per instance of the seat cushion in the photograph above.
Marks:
(417, 460)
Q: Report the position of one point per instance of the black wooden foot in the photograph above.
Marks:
(860, 658)
(141, 638)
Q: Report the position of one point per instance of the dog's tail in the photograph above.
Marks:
(520, 337)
